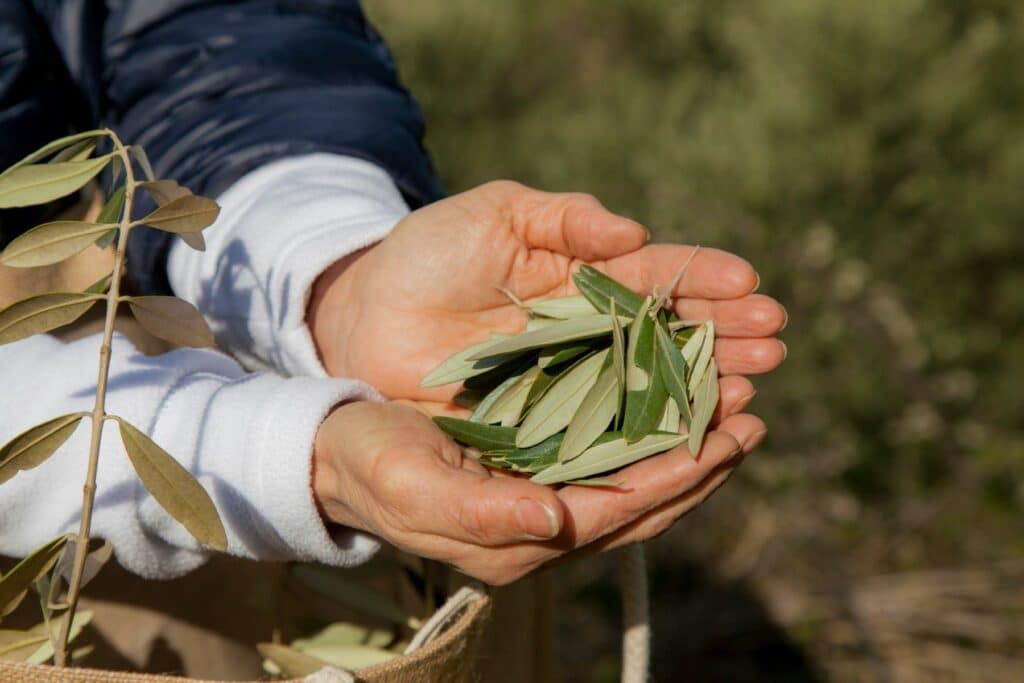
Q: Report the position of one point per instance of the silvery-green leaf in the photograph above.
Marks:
(669, 418)
(350, 657)
(187, 214)
(458, 366)
(691, 349)
(171, 319)
(594, 414)
(596, 482)
(33, 446)
(700, 364)
(539, 323)
(289, 661)
(673, 373)
(19, 579)
(564, 308)
(555, 409)
(353, 595)
(43, 313)
(484, 437)
(345, 633)
(559, 332)
(481, 408)
(111, 213)
(42, 183)
(535, 458)
(164, 191)
(599, 289)
(140, 156)
(55, 146)
(80, 151)
(100, 286)
(681, 336)
(52, 243)
(43, 651)
(17, 645)
(704, 406)
(666, 295)
(173, 487)
(607, 456)
(618, 361)
(562, 353)
(508, 408)
(645, 391)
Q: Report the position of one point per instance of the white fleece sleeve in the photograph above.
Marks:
(247, 437)
(279, 228)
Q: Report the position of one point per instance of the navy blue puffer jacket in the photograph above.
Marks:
(211, 89)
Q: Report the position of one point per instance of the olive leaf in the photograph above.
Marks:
(691, 349)
(484, 437)
(289, 661)
(600, 290)
(16, 646)
(666, 295)
(594, 414)
(562, 353)
(535, 458)
(186, 214)
(645, 391)
(16, 582)
(459, 366)
(79, 151)
(346, 633)
(164, 191)
(700, 364)
(355, 596)
(111, 213)
(618, 361)
(558, 332)
(173, 487)
(612, 453)
(669, 418)
(140, 156)
(555, 409)
(95, 559)
(508, 408)
(52, 243)
(350, 657)
(482, 408)
(596, 482)
(673, 373)
(41, 183)
(100, 286)
(704, 406)
(171, 319)
(563, 308)
(55, 146)
(43, 313)
(45, 651)
(33, 446)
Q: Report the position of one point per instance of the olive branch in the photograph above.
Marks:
(58, 169)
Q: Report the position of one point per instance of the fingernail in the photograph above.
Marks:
(785, 349)
(785, 319)
(754, 440)
(742, 403)
(536, 519)
(649, 235)
(757, 283)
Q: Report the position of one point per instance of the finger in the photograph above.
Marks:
(735, 392)
(712, 274)
(754, 315)
(593, 512)
(749, 356)
(467, 505)
(575, 225)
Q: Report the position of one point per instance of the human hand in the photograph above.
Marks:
(388, 470)
(433, 287)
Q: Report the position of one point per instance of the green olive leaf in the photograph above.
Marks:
(508, 409)
(564, 308)
(16, 582)
(33, 446)
(691, 349)
(188, 214)
(700, 364)
(594, 414)
(555, 409)
(289, 661)
(17, 646)
(618, 362)
(100, 286)
(645, 391)
(43, 313)
(704, 406)
(52, 243)
(79, 151)
(597, 482)
(171, 319)
(484, 437)
(173, 487)
(45, 652)
(111, 213)
(164, 191)
(346, 633)
(350, 657)
(600, 290)
(41, 183)
(140, 156)
(55, 146)
(459, 366)
(554, 356)
(610, 453)
(669, 418)
(559, 332)
(535, 458)
(484, 406)
(352, 595)
(673, 373)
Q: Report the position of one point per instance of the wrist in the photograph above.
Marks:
(333, 302)
(325, 472)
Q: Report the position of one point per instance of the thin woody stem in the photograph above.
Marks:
(99, 413)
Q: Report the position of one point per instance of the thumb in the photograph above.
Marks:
(474, 507)
(577, 225)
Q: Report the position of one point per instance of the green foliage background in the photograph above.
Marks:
(867, 157)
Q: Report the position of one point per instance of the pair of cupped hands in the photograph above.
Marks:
(391, 313)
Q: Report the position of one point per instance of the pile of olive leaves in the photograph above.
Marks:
(596, 382)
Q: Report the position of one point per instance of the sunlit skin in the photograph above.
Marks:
(390, 314)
